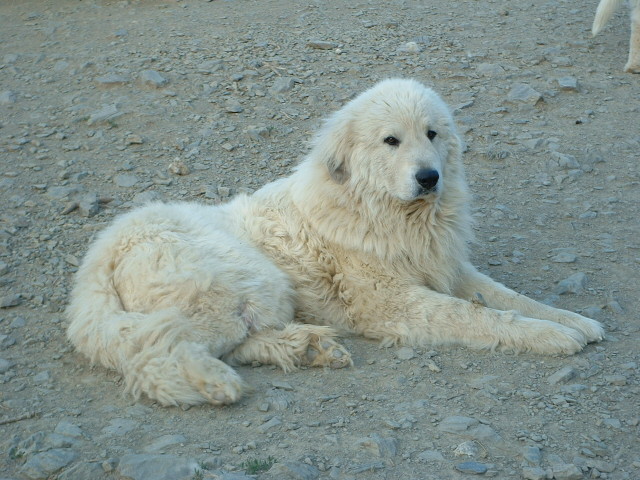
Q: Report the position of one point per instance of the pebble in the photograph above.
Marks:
(475, 468)
(283, 84)
(11, 300)
(523, 93)
(163, 442)
(111, 79)
(489, 69)
(269, 424)
(233, 106)
(125, 180)
(532, 454)
(178, 167)
(534, 473)
(8, 97)
(321, 45)
(566, 472)
(44, 464)
(573, 284)
(472, 428)
(89, 205)
(568, 83)
(563, 375)
(430, 456)
(405, 353)
(119, 426)
(157, 467)
(6, 365)
(294, 471)
(469, 449)
(83, 471)
(107, 113)
(152, 78)
(379, 446)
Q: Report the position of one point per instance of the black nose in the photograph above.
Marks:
(427, 178)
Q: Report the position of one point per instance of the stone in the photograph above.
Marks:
(283, 84)
(293, 471)
(108, 113)
(469, 449)
(489, 69)
(379, 446)
(566, 472)
(534, 473)
(523, 93)
(42, 378)
(6, 365)
(157, 467)
(532, 454)
(563, 375)
(111, 79)
(89, 205)
(44, 464)
(152, 78)
(474, 468)
(84, 471)
(163, 442)
(321, 45)
(568, 83)
(573, 284)
(430, 456)
(405, 353)
(232, 105)
(11, 300)
(119, 426)
(125, 180)
(8, 97)
(269, 424)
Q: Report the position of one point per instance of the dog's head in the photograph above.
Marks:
(397, 137)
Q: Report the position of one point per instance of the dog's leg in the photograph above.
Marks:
(295, 344)
(495, 295)
(186, 373)
(633, 64)
(416, 315)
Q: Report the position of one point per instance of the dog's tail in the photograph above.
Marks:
(603, 14)
(99, 326)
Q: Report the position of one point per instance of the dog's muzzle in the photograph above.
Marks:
(427, 178)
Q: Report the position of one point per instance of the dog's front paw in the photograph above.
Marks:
(327, 353)
(592, 330)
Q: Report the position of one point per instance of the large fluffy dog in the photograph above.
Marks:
(368, 235)
(604, 12)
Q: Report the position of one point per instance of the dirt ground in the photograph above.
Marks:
(107, 104)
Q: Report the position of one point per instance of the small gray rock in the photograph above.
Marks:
(489, 69)
(523, 93)
(379, 446)
(83, 471)
(111, 79)
(11, 300)
(119, 426)
(532, 454)
(233, 106)
(152, 78)
(269, 424)
(125, 180)
(568, 83)
(42, 377)
(6, 365)
(283, 84)
(44, 464)
(567, 471)
(157, 467)
(163, 442)
(534, 473)
(563, 375)
(321, 45)
(107, 113)
(8, 97)
(294, 471)
(474, 468)
(405, 353)
(89, 205)
(430, 456)
(573, 284)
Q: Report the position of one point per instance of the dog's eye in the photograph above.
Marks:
(431, 134)
(393, 141)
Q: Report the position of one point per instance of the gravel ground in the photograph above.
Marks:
(105, 105)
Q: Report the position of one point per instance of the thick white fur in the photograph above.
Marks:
(603, 14)
(350, 241)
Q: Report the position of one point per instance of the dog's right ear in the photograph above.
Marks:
(333, 147)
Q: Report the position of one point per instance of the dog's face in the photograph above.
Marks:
(396, 138)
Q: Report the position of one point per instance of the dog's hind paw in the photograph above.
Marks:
(327, 353)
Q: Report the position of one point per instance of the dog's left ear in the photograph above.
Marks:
(333, 147)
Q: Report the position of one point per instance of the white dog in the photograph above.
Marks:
(604, 12)
(368, 235)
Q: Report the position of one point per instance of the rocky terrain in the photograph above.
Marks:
(105, 105)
